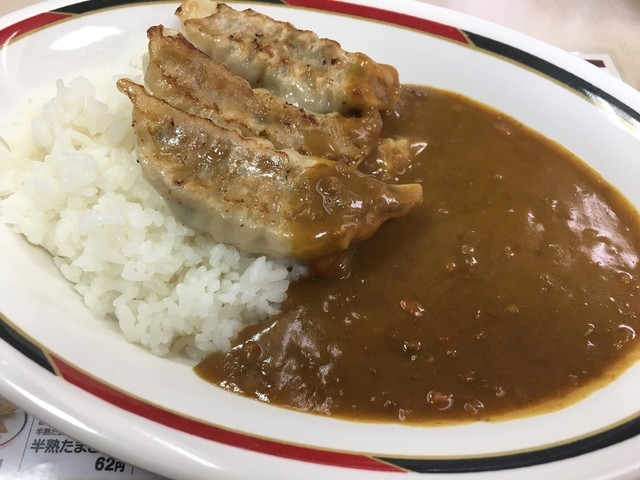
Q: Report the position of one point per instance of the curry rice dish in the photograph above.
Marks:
(464, 267)
(500, 275)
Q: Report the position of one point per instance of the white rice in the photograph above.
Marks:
(69, 182)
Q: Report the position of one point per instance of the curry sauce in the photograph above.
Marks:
(515, 285)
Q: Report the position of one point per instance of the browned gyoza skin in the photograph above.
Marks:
(297, 65)
(245, 192)
(190, 80)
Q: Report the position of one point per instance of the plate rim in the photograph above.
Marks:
(49, 5)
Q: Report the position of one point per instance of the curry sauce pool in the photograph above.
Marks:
(514, 287)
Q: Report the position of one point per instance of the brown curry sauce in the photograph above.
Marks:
(515, 286)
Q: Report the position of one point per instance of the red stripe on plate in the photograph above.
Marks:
(217, 434)
(11, 32)
(402, 19)
(597, 62)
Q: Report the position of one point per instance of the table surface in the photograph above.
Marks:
(588, 27)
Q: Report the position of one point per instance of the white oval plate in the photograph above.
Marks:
(79, 374)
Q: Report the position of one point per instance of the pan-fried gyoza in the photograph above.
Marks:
(244, 192)
(191, 81)
(308, 71)
(247, 165)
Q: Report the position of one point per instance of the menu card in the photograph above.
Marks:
(31, 449)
